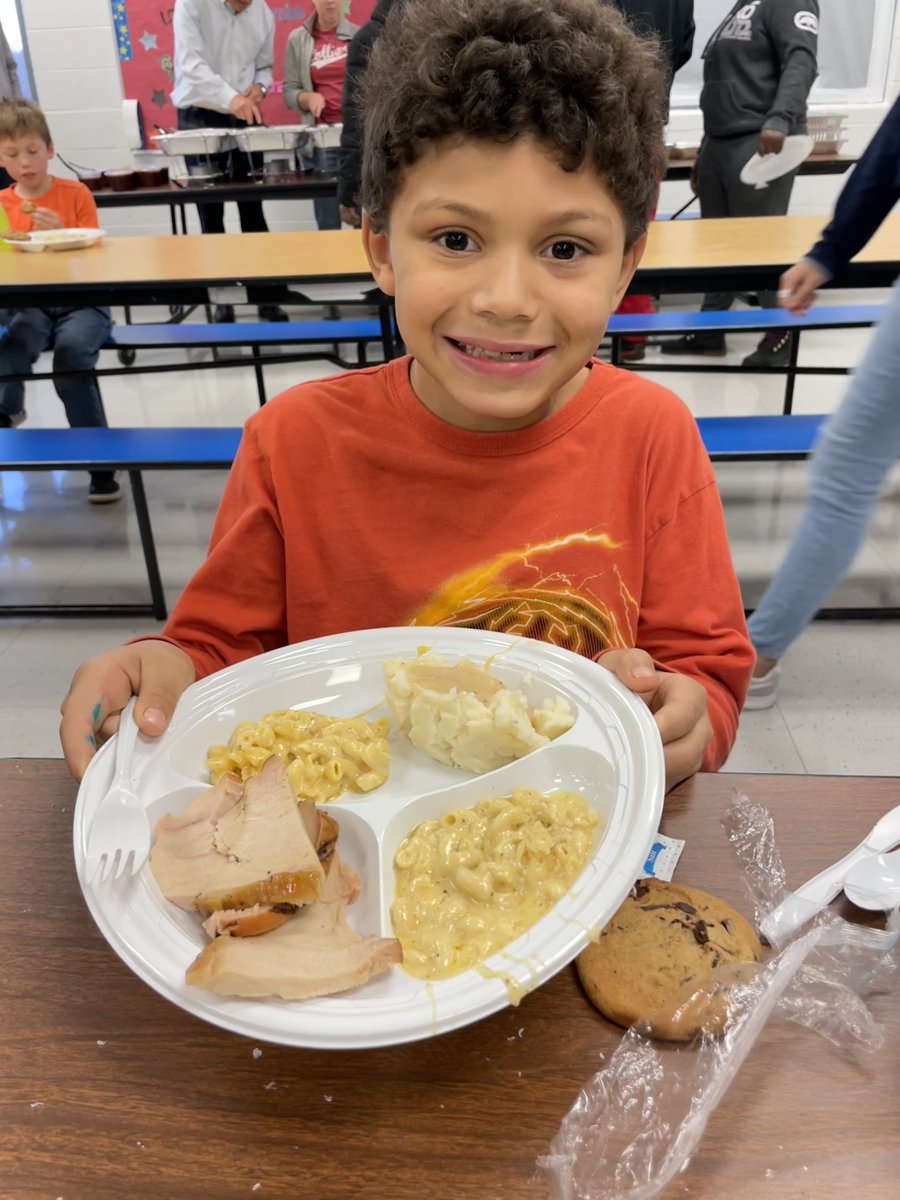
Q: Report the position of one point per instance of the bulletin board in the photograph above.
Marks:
(143, 31)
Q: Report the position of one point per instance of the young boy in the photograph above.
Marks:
(499, 477)
(38, 200)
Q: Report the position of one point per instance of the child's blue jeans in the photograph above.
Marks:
(75, 335)
(859, 445)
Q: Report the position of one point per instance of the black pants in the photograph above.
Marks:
(723, 195)
(235, 165)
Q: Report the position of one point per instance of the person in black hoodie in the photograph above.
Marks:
(759, 66)
(350, 168)
(672, 21)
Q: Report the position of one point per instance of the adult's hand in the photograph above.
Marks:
(255, 92)
(351, 215)
(246, 109)
(695, 176)
(771, 141)
(155, 671)
(798, 286)
(679, 707)
(314, 103)
(46, 218)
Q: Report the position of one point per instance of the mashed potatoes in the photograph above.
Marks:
(464, 717)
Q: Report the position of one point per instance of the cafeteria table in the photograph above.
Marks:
(739, 253)
(110, 1091)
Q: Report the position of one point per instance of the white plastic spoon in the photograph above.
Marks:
(802, 905)
(874, 882)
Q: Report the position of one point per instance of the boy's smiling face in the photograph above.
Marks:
(504, 268)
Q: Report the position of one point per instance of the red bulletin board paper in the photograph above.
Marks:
(148, 76)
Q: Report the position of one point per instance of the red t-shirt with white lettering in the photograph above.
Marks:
(328, 67)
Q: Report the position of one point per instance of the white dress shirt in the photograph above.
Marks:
(219, 53)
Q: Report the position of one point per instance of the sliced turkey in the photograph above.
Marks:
(236, 847)
(314, 953)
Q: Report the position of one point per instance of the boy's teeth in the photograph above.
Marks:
(499, 355)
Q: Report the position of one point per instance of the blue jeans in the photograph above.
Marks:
(327, 160)
(76, 335)
(859, 445)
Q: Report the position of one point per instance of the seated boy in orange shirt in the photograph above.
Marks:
(499, 477)
(37, 200)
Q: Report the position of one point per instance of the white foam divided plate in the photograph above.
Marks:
(612, 755)
(761, 169)
(60, 239)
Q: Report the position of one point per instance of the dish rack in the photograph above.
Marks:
(200, 144)
(828, 132)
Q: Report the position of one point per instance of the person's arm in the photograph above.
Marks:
(350, 172)
(234, 606)
(12, 69)
(297, 76)
(691, 617)
(85, 209)
(190, 54)
(265, 60)
(683, 30)
(793, 26)
(869, 194)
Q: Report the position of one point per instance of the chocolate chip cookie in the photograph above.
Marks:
(670, 956)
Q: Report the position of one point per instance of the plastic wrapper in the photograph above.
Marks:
(640, 1118)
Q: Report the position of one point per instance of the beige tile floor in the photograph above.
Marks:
(837, 707)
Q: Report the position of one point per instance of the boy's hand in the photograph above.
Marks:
(157, 672)
(46, 218)
(798, 286)
(678, 704)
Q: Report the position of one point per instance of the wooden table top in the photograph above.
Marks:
(676, 252)
(110, 1091)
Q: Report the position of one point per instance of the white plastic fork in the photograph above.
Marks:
(119, 837)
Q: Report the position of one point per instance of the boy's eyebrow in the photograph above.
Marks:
(568, 216)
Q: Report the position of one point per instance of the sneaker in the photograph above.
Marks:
(710, 345)
(11, 420)
(763, 689)
(105, 488)
(632, 352)
(272, 312)
(773, 351)
(223, 314)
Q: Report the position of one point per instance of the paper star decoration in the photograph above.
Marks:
(159, 98)
(148, 41)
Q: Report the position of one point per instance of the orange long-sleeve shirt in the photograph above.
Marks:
(68, 198)
(351, 506)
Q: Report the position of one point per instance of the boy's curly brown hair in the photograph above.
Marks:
(570, 73)
(19, 118)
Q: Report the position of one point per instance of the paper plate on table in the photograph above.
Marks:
(60, 239)
(761, 169)
(612, 755)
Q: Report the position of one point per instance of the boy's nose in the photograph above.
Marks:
(505, 289)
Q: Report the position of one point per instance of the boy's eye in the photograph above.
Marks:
(566, 251)
(455, 240)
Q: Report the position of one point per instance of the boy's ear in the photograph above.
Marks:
(51, 150)
(378, 251)
(630, 261)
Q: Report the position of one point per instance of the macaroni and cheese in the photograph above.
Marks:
(324, 755)
(472, 881)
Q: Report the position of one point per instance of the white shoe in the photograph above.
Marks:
(763, 689)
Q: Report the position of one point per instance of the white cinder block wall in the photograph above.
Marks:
(73, 55)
